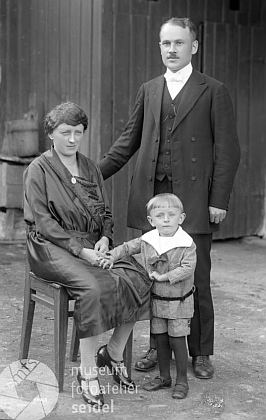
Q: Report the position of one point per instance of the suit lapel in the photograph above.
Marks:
(193, 89)
(156, 95)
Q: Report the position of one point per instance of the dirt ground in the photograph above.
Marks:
(237, 390)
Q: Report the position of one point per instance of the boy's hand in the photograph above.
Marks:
(154, 275)
(106, 262)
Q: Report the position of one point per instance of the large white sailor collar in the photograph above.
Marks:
(179, 240)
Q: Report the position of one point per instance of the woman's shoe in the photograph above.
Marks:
(180, 390)
(118, 369)
(93, 400)
(158, 383)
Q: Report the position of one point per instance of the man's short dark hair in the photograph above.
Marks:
(184, 23)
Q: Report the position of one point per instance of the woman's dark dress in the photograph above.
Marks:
(66, 214)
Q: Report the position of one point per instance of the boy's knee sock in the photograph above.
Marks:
(178, 344)
(164, 353)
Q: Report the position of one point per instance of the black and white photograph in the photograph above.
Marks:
(132, 209)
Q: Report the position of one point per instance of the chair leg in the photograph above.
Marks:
(128, 353)
(74, 346)
(60, 333)
(27, 320)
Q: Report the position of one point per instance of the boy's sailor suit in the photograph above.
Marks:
(171, 299)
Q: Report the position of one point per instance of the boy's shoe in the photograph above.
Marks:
(202, 366)
(147, 362)
(180, 390)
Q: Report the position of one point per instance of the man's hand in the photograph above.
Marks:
(102, 245)
(217, 215)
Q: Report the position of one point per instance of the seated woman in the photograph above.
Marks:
(67, 209)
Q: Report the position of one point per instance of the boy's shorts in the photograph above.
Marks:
(174, 327)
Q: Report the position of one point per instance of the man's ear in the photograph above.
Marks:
(182, 218)
(195, 45)
(150, 221)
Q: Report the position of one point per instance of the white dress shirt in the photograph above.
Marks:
(175, 81)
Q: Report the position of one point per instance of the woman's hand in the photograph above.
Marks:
(90, 255)
(102, 245)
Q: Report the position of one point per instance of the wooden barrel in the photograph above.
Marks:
(23, 138)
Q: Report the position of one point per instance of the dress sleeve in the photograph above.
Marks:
(36, 210)
(107, 229)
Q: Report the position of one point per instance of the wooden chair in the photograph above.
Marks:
(38, 290)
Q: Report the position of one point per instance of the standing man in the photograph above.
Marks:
(183, 126)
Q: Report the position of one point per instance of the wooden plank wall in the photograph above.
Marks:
(49, 50)
(233, 54)
(134, 57)
(61, 56)
(15, 47)
(98, 53)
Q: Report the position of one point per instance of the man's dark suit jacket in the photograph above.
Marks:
(205, 151)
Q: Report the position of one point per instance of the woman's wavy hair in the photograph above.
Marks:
(68, 113)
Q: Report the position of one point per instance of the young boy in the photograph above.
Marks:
(169, 255)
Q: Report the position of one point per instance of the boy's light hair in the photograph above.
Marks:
(164, 200)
